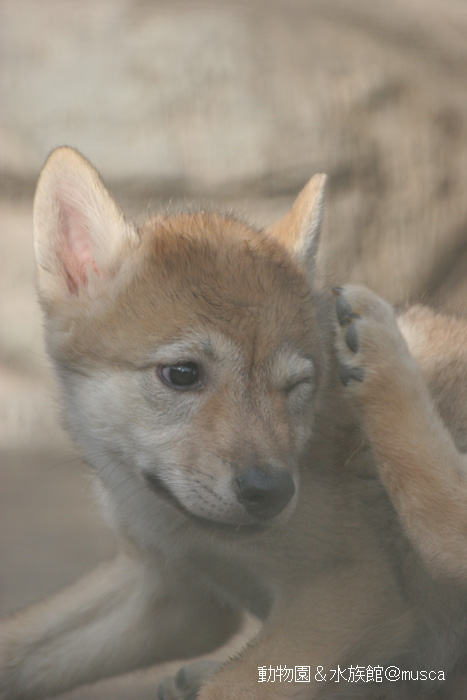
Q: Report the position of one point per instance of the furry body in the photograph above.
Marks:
(189, 471)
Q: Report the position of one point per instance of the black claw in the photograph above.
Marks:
(351, 337)
(182, 679)
(347, 373)
(161, 695)
(344, 311)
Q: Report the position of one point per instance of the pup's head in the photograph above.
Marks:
(188, 351)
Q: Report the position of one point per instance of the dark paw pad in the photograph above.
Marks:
(351, 337)
(344, 311)
(347, 373)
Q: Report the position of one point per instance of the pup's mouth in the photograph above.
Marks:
(157, 485)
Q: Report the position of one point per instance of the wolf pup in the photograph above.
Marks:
(239, 422)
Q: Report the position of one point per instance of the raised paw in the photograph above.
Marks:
(369, 343)
(187, 681)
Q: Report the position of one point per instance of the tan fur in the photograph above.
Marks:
(331, 570)
(422, 463)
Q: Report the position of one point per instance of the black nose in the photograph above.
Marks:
(264, 494)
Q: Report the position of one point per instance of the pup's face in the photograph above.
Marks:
(188, 351)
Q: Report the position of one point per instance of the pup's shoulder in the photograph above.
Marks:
(439, 344)
(431, 335)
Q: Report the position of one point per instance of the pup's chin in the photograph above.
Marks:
(156, 485)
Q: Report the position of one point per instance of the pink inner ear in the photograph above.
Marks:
(76, 251)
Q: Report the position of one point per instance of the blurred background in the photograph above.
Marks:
(237, 105)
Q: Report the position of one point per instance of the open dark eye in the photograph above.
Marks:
(183, 375)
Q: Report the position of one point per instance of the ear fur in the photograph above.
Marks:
(299, 229)
(80, 233)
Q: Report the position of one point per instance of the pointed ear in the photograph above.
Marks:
(80, 234)
(299, 229)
